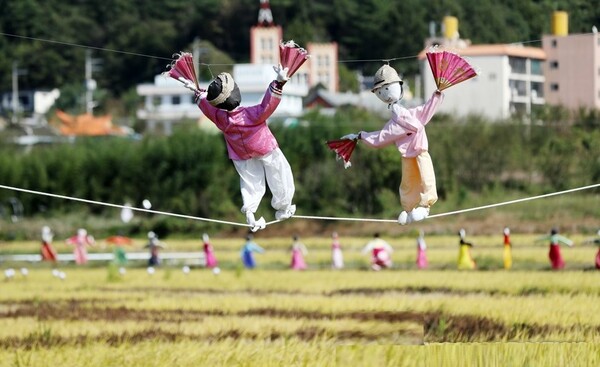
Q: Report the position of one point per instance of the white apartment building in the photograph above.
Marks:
(510, 81)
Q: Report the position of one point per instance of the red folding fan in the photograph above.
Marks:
(343, 149)
(292, 56)
(449, 69)
(182, 69)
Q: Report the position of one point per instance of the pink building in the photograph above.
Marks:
(572, 68)
(321, 68)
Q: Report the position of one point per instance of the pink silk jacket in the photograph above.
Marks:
(406, 128)
(245, 128)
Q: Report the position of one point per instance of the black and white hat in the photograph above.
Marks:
(223, 92)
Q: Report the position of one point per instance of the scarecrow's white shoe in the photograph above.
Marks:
(286, 213)
(419, 213)
(259, 224)
(403, 218)
(254, 224)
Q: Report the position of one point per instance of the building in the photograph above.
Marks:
(166, 102)
(572, 69)
(31, 103)
(321, 68)
(510, 78)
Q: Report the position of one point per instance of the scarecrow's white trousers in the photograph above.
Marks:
(278, 174)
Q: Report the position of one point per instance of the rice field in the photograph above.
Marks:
(273, 316)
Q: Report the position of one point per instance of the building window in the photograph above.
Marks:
(319, 60)
(518, 65)
(554, 64)
(536, 67)
(175, 100)
(517, 88)
(554, 87)
(537, 90)
(156, 101)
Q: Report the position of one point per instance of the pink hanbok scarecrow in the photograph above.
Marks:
(421, 252)
(337, 257)
(80, 243)
(298, 253)
(406, 130)
(380, 253)
(209, 254)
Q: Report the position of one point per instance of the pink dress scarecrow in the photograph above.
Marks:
(80, 243)
(380, 253)
(298, 253)
(421, 252)
(556, 260)
(337, 258)
(406, 130)
(209, 254)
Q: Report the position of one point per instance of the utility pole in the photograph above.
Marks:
(198, 52)
(196, 55)
(15, 91)
(91, 65)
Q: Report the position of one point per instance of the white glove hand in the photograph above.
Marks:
(351, 136)
(281, 73)
(190, 85)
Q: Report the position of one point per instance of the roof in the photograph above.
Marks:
(87, 124)
(515, 50)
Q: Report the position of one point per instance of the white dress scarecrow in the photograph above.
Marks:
(250, 143)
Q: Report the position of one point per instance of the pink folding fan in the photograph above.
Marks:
(182, 69)
(449, 68)
(292, 56)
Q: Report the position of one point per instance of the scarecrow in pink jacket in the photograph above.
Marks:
(298, 253)
(80, 242)
(337, 257)
(381, 253)
(251, 144)
(406, 130)
(209, 253)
